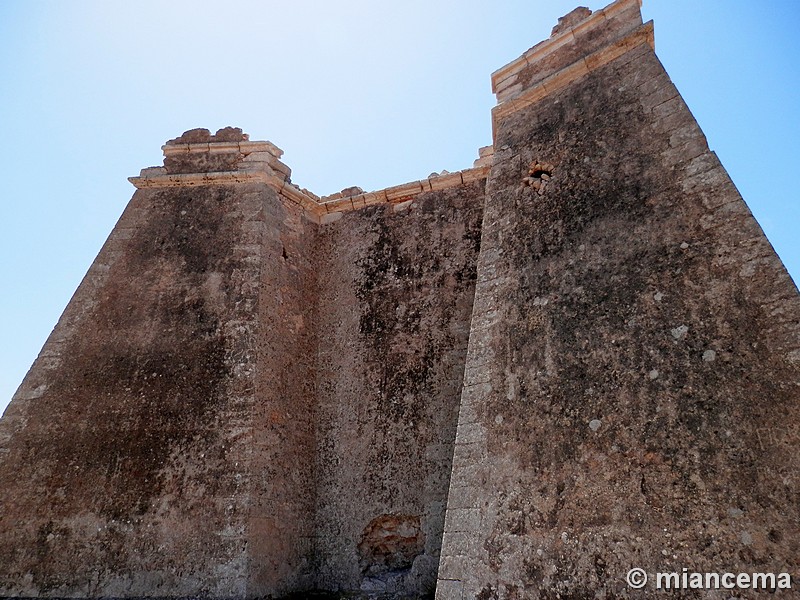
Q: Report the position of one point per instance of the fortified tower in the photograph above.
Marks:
(520, 380)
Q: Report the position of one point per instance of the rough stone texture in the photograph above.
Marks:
(281, 448)
(521, 386)
(204, 136)
(395, 303)
(571, 19)
(583, 43)
(630, 394)
(202, 162)
(236, 404)
(131, 487)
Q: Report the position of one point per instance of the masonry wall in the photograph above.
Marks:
(520, 386)
(134, 458)
(280, 523)
(630, 395)
(396, 293)
(240, 402)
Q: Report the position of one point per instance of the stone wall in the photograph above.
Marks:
(631, 382)
(117, 478)
(515, 381)
(241, 402)
(395, 303)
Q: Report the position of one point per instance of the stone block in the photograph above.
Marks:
(452, 567)
(402, 206)
(470, 433)
(659, 97)
(330, 217)
(403, 191)
(447, 589)
(468, 496)
(462, 520)
(669, 107)
(469, 452)
(445, 181)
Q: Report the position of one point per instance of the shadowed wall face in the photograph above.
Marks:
(395, 302)
(281, 441)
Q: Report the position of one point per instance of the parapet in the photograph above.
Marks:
(581, 42)
(228, 157)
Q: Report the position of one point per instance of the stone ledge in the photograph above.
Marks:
(258, 163)
(500, 78)
(280, 185)
(561, 79)
(150, 178)
(245, 147)
(404, 192)
(315, 207)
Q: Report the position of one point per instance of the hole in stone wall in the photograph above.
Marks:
(539, 173)
(390, 543)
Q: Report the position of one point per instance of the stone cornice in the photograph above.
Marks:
(164, 180)
(561, 79)
(403, 192)
(244, 147)
(257, 162)
(542, 49)
(314, 207)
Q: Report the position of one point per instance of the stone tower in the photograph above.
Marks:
(520, 380)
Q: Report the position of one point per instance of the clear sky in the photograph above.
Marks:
(355, 92)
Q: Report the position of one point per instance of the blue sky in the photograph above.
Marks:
(355, 93)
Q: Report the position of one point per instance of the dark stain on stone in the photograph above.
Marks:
(393, 290)
(141, 388)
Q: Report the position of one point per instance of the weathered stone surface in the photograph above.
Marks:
(200, 136)
(122, 456)
(571, 19)
(621, 422)
(395, 295)
(521, 379)
(202, 162)
(390, 543)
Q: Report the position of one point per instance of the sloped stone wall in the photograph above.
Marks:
(125, 467)
(631, 382)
